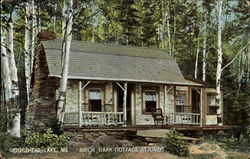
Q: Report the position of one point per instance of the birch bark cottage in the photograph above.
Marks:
(119, 86)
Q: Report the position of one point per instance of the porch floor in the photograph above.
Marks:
(146, 127)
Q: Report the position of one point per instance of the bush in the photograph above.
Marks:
(175, 144)
(7, 142)
(47, 140)
(54, 125)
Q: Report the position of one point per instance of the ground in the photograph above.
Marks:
(201, 151)
(204, 148)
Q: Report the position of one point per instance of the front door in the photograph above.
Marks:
(195, 101)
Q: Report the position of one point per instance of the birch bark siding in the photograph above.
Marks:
(66, 51)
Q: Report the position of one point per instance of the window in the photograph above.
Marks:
(95, 100)
(150, 101)
(212, 100)
(213, 110)
(180, 100)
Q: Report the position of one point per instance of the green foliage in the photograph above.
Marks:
(47, 140)
(230, 140)
(3, 122)
(175, 144)
(7, 142)
(54, 125)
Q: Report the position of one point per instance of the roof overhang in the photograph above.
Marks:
(128, 80)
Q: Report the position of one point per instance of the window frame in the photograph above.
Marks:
(179, 93)
(101, 99)
(156, 91)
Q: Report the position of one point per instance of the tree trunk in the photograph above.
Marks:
(163, 25)
(15, 130)
(34, 34)
(39, 25)
(174, 31)
(65, 51)
(27, 46)
(204, 55)
(64, 15)
(54, 18)
(5, 76)
(219, 60)
(197, 56)
(169, 35)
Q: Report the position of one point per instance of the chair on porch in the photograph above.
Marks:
(157, 115)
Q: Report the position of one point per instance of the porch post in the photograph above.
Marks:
(80, 104)
(165, 104)
(125, 105)
(201, 106)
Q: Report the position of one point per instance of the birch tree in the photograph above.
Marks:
(15, 113)
(219, 58)
(67, 30)
(197, 56)
(5, 73)
(204, 55)
(34, 34)
(165, 21)
(27, 46)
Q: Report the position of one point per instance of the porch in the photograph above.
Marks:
(122, 104)
(116, 119)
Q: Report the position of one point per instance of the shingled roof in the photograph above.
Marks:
(98, 61)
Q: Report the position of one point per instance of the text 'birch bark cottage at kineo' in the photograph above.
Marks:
(120, 87)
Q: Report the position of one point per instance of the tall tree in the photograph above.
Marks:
(34, 34)
(15, 109)
(27, 45)
(5, 72)
(197, 56)
(67, 36)
(204, 53)
(219, 52)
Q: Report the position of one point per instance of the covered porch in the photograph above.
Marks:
(123, 104)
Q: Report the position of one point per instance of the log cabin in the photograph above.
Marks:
(118, 86)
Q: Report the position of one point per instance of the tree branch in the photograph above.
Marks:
(235, 57)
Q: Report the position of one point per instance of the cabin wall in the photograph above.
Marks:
(213, 119)
(170, 101)
(73, 91)
(109, 106)
(72, 96)
(147, 119)
(140, 118)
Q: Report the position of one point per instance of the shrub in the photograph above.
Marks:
(54, 125)
(175, 144)
(7, 142)
(47, 140)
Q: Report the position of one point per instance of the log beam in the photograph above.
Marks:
(80, 104)
(125, 104)
(201, 106)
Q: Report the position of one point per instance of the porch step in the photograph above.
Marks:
(159, 133)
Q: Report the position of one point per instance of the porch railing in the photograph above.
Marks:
(183, 118)
(102, 118)
(95, 118)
